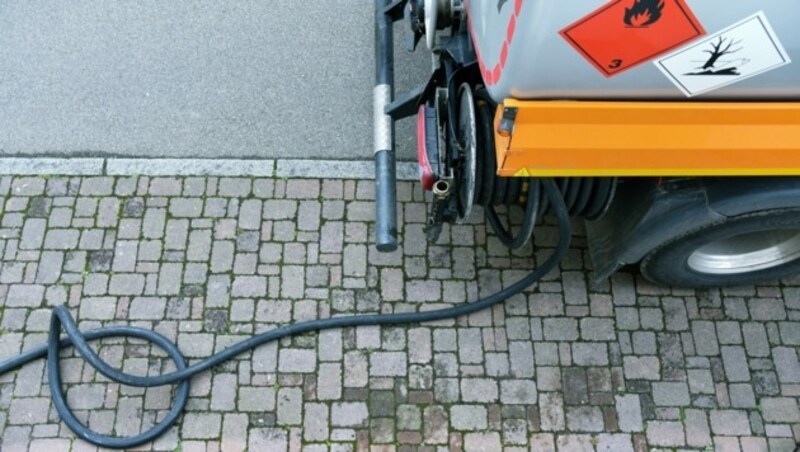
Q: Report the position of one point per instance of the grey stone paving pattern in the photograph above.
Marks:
(206, 261)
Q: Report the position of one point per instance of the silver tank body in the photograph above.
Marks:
(542, 65)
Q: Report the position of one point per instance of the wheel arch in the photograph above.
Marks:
(649, 212)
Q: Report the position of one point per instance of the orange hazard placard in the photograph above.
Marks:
(626, 33)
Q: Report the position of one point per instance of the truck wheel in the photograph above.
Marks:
(741, 250)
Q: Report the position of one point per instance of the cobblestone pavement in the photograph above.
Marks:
(622, 365)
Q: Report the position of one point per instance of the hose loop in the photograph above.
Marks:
(62, 320)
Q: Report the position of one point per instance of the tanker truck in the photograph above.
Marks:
(670, 127)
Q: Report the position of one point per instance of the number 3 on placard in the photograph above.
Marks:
(615, 64)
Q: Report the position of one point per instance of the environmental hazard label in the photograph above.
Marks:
(739, 52)
(626, 33)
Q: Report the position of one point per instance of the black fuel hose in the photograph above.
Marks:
(61, 318)
(528, 223)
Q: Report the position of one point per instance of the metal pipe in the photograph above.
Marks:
(385, 166)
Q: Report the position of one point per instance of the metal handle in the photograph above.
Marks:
(385, 167)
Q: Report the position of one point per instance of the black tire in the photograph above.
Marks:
(669, 264)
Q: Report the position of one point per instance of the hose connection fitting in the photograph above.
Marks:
(442, 189)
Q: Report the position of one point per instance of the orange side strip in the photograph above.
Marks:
(558, 138)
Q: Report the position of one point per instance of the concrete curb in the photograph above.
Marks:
(51, 166)
(190, 167)
(310, 169)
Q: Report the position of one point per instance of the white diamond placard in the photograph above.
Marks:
(744, 50)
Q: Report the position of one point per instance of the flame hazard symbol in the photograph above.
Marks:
(644, 13)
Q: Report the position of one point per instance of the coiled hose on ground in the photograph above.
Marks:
(61, 318)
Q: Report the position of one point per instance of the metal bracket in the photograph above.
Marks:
(396, 10)
(407, 104)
